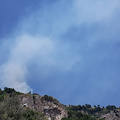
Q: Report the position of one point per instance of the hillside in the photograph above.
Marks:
(86, 112)
(19, 106)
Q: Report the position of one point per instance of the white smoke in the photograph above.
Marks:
(14, 70)
(26, 48)
(50, 23)
(93, 11)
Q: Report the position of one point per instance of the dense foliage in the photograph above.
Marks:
(87, 112)
(74, 115)
(50, 99)
(10, 108)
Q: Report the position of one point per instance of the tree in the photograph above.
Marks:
(110, 107)
(9, 90)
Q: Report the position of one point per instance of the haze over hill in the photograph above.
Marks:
(65, 48)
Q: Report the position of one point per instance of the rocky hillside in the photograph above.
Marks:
(45, 104)
(44, 107)
(19, 106)
(109, 112)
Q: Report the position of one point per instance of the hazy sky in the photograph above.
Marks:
(69, 49)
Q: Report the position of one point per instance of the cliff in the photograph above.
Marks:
(45, 104)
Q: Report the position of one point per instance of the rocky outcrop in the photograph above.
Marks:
(46, 104)
(113, 115)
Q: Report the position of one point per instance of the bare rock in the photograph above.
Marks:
(46, 104)
(111, 116)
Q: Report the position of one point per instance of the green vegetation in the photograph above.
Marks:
(74, 115)
(8, 91)
(50, 99)
(10, 108)
(32, 115)
(86, 112)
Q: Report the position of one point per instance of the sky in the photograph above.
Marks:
(68, 49)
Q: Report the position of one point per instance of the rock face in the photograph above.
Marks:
(46, 104)
(112, 115)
